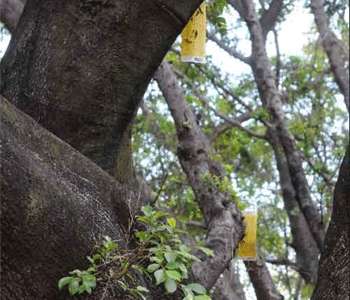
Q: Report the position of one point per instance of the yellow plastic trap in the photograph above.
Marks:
(194, 37)
(247, 247)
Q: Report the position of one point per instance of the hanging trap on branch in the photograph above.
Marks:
(194, 37)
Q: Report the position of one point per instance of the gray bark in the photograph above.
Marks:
(269, 17)
(303, 242)
(10, 12)
(195, 157)
(223, 219)
(228, 286)
(334, 48)
(271, 100)
(263, 285)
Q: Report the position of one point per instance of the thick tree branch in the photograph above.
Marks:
(56, 206)
(10, 12)
(221, 215)
(260, 276)
(269, 17)
(88, 89)
(271, 100)
(334, 48)
(303, 242)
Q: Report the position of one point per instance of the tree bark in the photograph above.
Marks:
(334, 270)
(219, 209)
(303, 242)
(56, 206)
(334, 49)
(261, 279)
(80, 69)
(271, 100)
(10, 12)
(222, 217)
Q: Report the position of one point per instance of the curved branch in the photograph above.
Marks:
(10, 12)
(269, 17)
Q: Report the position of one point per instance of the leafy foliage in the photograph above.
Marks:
(160, 252)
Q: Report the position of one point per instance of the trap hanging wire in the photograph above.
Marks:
(247, 247)
(194, 37)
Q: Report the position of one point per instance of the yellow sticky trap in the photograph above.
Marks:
(194, 37)
(247, 247)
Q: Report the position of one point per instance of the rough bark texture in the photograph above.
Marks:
(271, 100)
(221, 215)
(80, 68)
(10, 12)
(334, 270)
(338, 58)
(303, 242)
(228, 286)
(269, 17)
(56, 205)
(261, 279)
(223, 219)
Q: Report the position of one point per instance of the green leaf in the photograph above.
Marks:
(197, 288)
(147, 210)
(202, 297)
(184, 271)
(156, 259)
(64, 281)
(73, 287)
(189, 297)
(172, 265)
(152, 267)
(159, 276)
(89, 280)
(171, 222)
(173, 274)
(170, 256)
(170, 285)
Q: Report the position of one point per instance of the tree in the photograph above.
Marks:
(95, 102)
(84, 83)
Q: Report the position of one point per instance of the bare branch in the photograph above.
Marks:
(334, 48)
(269, 17)
(231, 51)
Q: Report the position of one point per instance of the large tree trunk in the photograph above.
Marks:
(334, 270)
(80, 68)
(56, 205)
